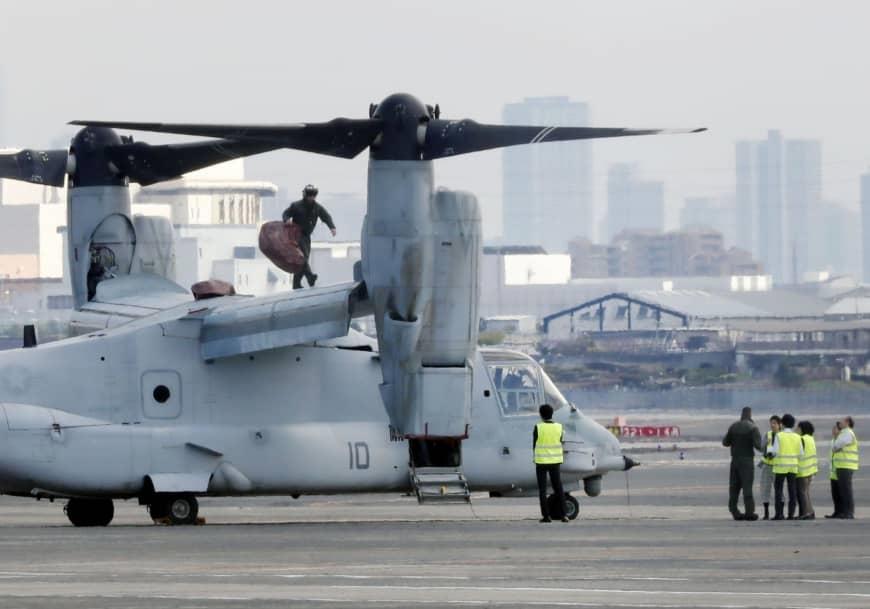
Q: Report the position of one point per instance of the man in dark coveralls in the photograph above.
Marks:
(744, 439)
(305, 213)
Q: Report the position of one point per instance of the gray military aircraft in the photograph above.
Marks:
(164, 399)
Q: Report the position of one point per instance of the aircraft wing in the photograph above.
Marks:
(281, 320)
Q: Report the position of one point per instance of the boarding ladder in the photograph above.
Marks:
(440, 484)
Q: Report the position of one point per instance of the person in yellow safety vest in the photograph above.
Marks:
(786, 452)
(766, 465)
(807, 468)
(844, 462)
(547, 442)
(835, 491)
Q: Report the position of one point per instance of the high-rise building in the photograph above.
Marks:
(632, 203)
(865, 226)
(547, 190)
(802, 193)
(778, 182)
(835, 243)
(746, 194)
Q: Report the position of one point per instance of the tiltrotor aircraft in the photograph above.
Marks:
(163, 398)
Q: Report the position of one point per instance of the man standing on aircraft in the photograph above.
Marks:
(744, 439)
(547, 442)
(305, 213)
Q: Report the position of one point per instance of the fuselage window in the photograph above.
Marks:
(517, 387)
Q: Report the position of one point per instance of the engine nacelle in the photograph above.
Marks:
(420, 262)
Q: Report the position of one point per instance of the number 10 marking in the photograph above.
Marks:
(358, 455)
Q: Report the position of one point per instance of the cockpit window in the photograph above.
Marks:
(517, 387)
(552, 395)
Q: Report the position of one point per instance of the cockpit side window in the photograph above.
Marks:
(518, 388)
(552, 395)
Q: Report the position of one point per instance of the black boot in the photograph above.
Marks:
(767, 511)
(779, 514)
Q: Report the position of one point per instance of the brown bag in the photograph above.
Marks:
(211, 288)
(279, 242)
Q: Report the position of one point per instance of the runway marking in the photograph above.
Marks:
(602, 590)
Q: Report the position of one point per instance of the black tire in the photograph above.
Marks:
(182, 509)
(90, 512)
(571, 508)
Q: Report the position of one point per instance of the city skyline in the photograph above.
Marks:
(635, 64)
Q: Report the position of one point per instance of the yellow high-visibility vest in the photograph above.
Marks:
(831, 457)
(548, 448)
(767, 447)
(809, 461)
(847, 458)
(786, 459)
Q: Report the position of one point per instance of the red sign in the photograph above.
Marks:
(645, 431)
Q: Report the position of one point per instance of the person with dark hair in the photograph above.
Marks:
(744, 439)
(844, 461)
(808, 465)
(766, 464)
(305, 214)
(786, 452)
(547, 442)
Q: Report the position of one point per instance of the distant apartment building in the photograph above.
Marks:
(778, 183)
(865, 226)
(588, 259)
(633, 203)
(835, 240)
(695, 252)
(547, 189)
(716, 213)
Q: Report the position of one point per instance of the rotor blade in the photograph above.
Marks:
(448, 138)
(37, 166)
(147, 164)
(341, 137)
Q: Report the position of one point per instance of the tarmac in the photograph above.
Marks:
(667, 542)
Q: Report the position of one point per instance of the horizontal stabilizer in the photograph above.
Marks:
(270, 322)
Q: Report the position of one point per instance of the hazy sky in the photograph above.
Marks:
(737, 67)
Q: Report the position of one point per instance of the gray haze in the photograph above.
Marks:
(737, 67)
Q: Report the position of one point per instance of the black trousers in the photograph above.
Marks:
(835, 497)
(305, 246)
(778, 483)
(742, 478)
(844, 488)
(553, 470)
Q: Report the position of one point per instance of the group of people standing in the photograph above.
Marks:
(789, 462)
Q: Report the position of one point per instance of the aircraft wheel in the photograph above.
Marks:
(571, 509)
(90, 512)
(183, 509)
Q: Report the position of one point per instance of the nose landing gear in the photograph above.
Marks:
(174, 509)
(571, 508)
(90, 512)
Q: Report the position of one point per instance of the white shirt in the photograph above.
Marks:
(774, 450)
(844, 438)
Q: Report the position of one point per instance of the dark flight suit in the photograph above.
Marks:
(744, 439)
(305, 215)
(548, 460)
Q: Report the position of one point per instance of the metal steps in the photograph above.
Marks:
(440, 484)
